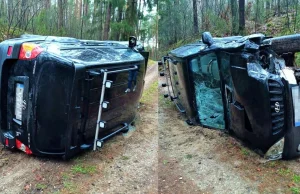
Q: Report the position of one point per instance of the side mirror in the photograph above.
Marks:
(132, 42)
(207, 38)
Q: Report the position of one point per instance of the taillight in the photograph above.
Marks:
(9, 50)
(22, 147)
(29, 51)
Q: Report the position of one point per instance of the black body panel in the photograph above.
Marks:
(61, 96)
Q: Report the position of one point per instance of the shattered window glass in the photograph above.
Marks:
(101, 55)
(207, 91)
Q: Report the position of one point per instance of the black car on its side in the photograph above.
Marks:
(245, 85)
(61, 95)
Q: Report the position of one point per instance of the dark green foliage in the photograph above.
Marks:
(84, 19)
(224, 18)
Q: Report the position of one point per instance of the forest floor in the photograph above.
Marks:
(193, 159)
(127, 163)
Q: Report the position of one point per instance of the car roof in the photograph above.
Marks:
(82, 51)
(225, 44)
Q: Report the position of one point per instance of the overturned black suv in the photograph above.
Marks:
(245, 85)
(60, 95)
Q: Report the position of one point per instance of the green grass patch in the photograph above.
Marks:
(245, 152)
(297, 59)
(295, 190)
(151, 62)
(81, 169)
(150, 93)
(165, 162)
(65, 176)
(70, 186)
(165, 102)
(284, 172)
(272, 164)
(40, 186)
(125, 158)
(296, 178)
(189, 156)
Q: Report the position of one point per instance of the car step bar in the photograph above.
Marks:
(167, 74)
(106, 84)
(99, 142)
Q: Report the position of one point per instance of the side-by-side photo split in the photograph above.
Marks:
(149, 96)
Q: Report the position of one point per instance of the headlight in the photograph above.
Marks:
(296, 103)
(275, 152)
(19, 101)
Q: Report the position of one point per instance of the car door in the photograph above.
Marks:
(207, 87)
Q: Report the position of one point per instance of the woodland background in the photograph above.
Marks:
(183, 21)
(160, 25)
(84, 19)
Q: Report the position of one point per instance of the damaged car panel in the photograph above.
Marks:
(60, 96)
(246, 85)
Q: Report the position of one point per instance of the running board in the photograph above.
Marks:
(99, 142)
(180, 107)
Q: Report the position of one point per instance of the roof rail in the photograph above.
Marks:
(51, 38)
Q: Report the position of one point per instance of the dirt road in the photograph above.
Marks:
(126, 164)
(193, 159)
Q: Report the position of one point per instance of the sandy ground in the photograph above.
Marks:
(193, 159)
(126, 164)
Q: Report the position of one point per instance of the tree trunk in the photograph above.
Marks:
(78, 8)
(296, 14)
(2, 9)
(287, 15)
(101, 20)
(107, 22)
(131, 19)
(60, 14)
(268, 10)
(203, 15)
(234, 17)
(176, 23)
(65, 12)
(139, 9)
(195, 16)
(10, 10)
(256, 15)
(119, 19)
(47, 4)
(241, 16)
(278, 8)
